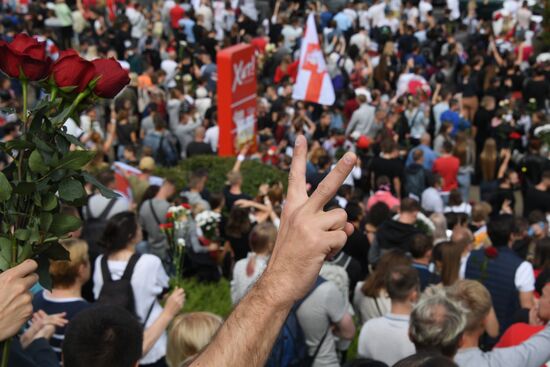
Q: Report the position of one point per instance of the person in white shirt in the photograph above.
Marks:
(386, 338)
(424, 7)
(170, 67)
(453, 6)
(212, 137)
(431, 200)
(247, 271)
(291, 32)
(376, 13)
(148, 278)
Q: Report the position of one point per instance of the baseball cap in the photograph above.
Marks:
(147, 164)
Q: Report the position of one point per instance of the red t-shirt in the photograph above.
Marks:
(447, 168)
(517, 334)
(176, 13)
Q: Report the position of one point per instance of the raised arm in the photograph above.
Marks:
(307, 235)
(173, 306)
(240, 159)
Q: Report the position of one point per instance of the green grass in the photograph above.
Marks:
(210, 297)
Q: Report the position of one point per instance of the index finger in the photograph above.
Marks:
(297, 176)
(22, 270)
(331, 184)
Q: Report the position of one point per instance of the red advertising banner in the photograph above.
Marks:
(236, 98)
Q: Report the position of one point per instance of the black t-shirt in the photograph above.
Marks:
(124, 134)
(498, 199)
(537, 89)
(315, 179)
(482, 121)
(198, 148)
(357, 247)
(239, 245)
(231, 198)
(536, 200)
(387, 167)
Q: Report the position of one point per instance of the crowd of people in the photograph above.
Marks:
(445, 106)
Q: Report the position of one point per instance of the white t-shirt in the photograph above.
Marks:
(424, 7)
(170, 67)
(148, 281)
(212, 137)
(386, 339)
(376, 13)
(241, 283)
(524, 278)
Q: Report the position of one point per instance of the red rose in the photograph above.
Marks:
(71, 70)
(491, 252)
(169, 215)
(186, 206)
(169, 225)
(112, 77)
(24, 55)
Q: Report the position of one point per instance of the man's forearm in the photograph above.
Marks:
(251, 329)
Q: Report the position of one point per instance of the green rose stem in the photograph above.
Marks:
(20, 173)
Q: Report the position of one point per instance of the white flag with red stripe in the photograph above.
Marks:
(313, 82)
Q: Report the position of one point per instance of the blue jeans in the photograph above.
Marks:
(464, 182)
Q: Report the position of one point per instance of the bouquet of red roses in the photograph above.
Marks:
(45, 162)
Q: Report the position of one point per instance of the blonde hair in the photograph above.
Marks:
(65, 272)
(475, 298)
(189, 334)
(488, 160)
(234, 177)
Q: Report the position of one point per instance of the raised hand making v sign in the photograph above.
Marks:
(307, 235)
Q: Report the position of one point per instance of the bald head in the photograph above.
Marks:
(463, 237)
(425, 139)
(199, 133)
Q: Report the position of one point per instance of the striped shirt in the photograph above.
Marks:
(44, 301)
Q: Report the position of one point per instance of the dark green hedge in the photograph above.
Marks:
(254, 173)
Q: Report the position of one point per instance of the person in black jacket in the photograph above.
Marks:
(396, 233)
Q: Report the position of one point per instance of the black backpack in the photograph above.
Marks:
(118, 292)
(415, 181)
(93, 228)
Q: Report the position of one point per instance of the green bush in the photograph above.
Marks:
(254, 173)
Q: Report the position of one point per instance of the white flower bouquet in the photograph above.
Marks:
(208, 222)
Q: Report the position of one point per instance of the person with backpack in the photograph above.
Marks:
(134, 282)
(163, 144)
(416, 176)
(324, 316)
(95, 216)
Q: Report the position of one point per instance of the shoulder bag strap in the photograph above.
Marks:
(130, 266)
(413, 120)
(319, 346)
(153, 211)
(149, 313)
(105, 272)
(105, 213)
(377, 307)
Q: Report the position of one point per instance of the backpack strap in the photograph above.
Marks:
(104, 213)
(320, 280)
(130, 266)
(107, 209)
(105, 272)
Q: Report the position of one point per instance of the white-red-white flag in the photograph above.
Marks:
(313, 82)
